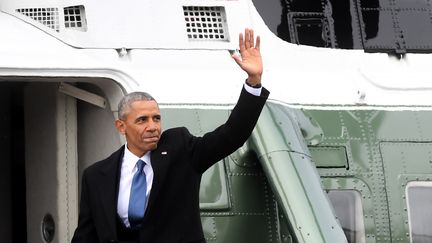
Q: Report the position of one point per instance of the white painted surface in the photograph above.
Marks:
(175, 71)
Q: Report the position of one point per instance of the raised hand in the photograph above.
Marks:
(250, 57)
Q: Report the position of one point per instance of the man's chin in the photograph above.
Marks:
(152, 147)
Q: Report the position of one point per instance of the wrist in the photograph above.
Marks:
(253, 83)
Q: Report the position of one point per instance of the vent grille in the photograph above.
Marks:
(74, 18)
(206, 23)
(46, 16)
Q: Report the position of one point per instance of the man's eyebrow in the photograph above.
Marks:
(141, 117)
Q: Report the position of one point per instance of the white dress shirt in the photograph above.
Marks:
(252, 90)
(128, 169)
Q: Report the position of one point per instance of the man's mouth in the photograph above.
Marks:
(152, 139)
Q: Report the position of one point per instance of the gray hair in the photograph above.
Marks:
(128, 99)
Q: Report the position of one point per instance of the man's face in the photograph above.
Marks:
(141, 125)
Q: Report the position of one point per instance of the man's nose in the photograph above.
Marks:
(152, 126)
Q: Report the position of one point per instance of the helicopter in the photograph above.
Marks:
(342, 151)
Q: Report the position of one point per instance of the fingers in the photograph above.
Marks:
(248, 38)
(251, 41)
(258, 43)
(241, 42)
(247, 41)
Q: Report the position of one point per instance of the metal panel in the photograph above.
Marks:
(393, 26)
(403, 162)
(385, 151)
(329, 157)
(358, 135)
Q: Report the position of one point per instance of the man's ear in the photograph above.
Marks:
(121, 126)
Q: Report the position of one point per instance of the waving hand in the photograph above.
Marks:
(250, 57)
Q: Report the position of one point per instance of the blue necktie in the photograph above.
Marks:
(137, 199)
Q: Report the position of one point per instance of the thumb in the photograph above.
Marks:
(237, 59)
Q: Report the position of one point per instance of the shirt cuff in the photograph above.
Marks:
(252, 90)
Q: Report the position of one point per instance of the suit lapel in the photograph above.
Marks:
(160, 164)
(109, 180)
(108, 189)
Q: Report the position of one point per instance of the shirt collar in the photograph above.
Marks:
(130, 159)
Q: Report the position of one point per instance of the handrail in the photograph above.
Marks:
(286, 162)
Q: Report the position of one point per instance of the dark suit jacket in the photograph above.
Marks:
(172, 214)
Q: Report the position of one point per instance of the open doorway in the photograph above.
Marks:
(12, 162)
(47, 138)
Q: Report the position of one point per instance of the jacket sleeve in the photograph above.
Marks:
(227, 138)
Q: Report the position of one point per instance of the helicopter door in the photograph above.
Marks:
(50, 121)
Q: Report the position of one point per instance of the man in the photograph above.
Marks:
(148, 190)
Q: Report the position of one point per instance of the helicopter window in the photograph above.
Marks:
(349, 211)
(213, 193)
(419, 199)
